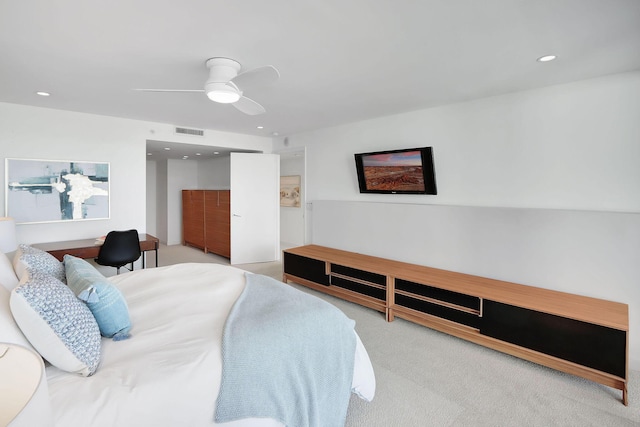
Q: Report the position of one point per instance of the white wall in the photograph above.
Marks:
(200, 174)
(165, 182)
(574, 146)
(292, 219)
(40, 133)
(182, 174)
(214, 174)
(547, 152)
(152, 202)
(161, 196)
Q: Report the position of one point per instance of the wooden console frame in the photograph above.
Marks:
(446, 301)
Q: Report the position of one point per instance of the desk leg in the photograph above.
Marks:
(157, 254)
(144, 256)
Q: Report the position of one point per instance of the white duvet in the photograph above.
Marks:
(168, 373)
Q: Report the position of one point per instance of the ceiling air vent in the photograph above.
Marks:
(187, 131)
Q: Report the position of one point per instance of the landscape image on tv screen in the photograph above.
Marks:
(394, 171)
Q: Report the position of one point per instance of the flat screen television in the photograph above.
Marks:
(407, 171)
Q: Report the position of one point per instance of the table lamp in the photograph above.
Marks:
(8, 240)
(24, 393)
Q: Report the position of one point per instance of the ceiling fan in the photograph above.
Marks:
(225, 84)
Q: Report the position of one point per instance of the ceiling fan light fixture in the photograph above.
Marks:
(223, 96)
(222, 85)
(222, 93)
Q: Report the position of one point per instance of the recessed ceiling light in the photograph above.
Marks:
(260, 127)
(43, 93)
(167, 148)
(148, 154)
(547, 58)
(198, 154)
(275, 133)
(216, 152)
(185, 157)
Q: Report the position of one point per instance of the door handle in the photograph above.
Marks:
(237, 215)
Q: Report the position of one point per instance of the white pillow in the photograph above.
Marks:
(9, 330)
(8, 277)
(28, 257)
(58, 325)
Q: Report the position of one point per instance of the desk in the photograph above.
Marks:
(88, 248)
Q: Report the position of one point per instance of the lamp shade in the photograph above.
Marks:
(8, 240)
(23, 390)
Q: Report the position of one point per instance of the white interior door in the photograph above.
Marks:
(255, 208)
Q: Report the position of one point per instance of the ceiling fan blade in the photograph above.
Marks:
(249, 106)
(260, 76)
(169, 90)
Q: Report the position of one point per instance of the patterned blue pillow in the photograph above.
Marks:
(105, 301)
(58, 325)
(28, 257)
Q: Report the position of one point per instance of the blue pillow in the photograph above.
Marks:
(105, 301)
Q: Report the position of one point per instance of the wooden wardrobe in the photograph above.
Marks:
(206, 220)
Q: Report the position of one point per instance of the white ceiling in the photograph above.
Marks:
(163, 150)
(340, 61)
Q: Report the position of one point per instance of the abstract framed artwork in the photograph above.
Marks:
(56, 190)
(290, 191)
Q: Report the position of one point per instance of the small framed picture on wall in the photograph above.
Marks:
(290, 191)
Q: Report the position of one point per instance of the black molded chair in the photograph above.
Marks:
(119, 249)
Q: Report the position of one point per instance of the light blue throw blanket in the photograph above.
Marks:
(286, 355)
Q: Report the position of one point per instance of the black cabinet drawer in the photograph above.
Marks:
(366, 276)
(306, 268)
(438, 310)
(584, 343)
(451, 297)
(360, 288)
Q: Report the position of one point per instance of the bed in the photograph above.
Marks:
(169, 371)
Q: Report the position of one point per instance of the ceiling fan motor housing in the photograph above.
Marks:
(221, 70)
(219, 87)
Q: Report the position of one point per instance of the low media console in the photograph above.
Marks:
(579, 335)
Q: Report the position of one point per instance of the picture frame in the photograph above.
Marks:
(40, 191)
(290, 191)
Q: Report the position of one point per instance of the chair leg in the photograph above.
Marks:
(117, 270)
